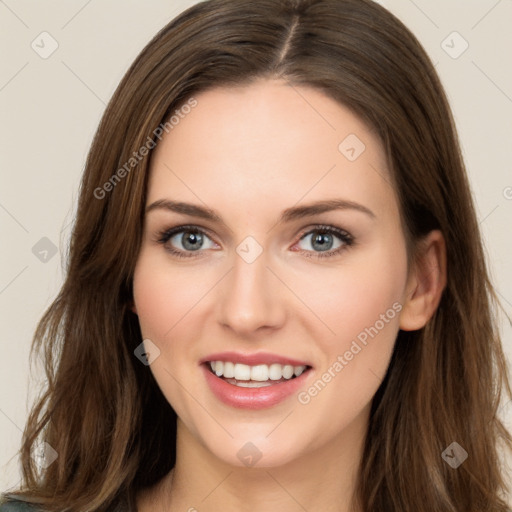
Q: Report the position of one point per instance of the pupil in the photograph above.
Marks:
(323, 240)
(192, 241)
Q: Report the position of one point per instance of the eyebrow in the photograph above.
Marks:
(288, 215)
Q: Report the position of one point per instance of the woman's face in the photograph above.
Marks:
(270, 281)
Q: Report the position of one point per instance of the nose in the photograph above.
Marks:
(251, 298)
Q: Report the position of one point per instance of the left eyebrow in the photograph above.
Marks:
(298, 212)
(288, 215)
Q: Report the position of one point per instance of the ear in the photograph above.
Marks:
(426, 282)
(132, 306)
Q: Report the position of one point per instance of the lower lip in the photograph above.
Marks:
(252, 398)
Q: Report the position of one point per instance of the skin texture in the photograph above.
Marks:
(249, 153)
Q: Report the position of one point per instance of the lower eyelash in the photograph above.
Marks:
(347, 239)
(164, 236)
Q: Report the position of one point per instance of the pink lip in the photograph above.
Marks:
(252, 398)
(253, 359)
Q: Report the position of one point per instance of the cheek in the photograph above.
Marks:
(361, 304)
(162, 296)
(355, 295)
(165, 299)
(153, 300)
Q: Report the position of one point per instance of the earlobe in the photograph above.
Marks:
(426, 283)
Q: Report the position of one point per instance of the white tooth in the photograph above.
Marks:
(253, 384)
(287, 371)
(242, 372)
(274, 371)
(259, 372)
(229, 370)
(297, 370)
(219, 368)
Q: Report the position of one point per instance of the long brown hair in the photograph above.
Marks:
(102, 411)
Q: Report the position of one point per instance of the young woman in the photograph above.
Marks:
(277, 297)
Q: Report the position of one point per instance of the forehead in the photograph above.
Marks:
(272, 141)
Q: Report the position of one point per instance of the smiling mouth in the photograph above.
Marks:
(256, 376)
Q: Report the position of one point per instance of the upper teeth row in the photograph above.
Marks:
(260, 372)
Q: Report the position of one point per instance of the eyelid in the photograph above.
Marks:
(347, 239)
(163, 236)
(324, 227)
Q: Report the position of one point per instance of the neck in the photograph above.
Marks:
(320, 480)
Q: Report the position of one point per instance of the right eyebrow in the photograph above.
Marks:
(185, 208)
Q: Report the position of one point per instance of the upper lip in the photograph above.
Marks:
(253, 359)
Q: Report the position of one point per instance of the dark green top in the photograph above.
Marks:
(12, 503)
(17, 506)
(9, 503)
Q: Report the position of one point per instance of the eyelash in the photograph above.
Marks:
(348, 240)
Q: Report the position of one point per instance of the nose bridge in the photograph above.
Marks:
(250, 297)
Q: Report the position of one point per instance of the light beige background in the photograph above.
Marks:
(50, 109)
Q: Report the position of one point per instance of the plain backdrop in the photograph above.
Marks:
(51, 104)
